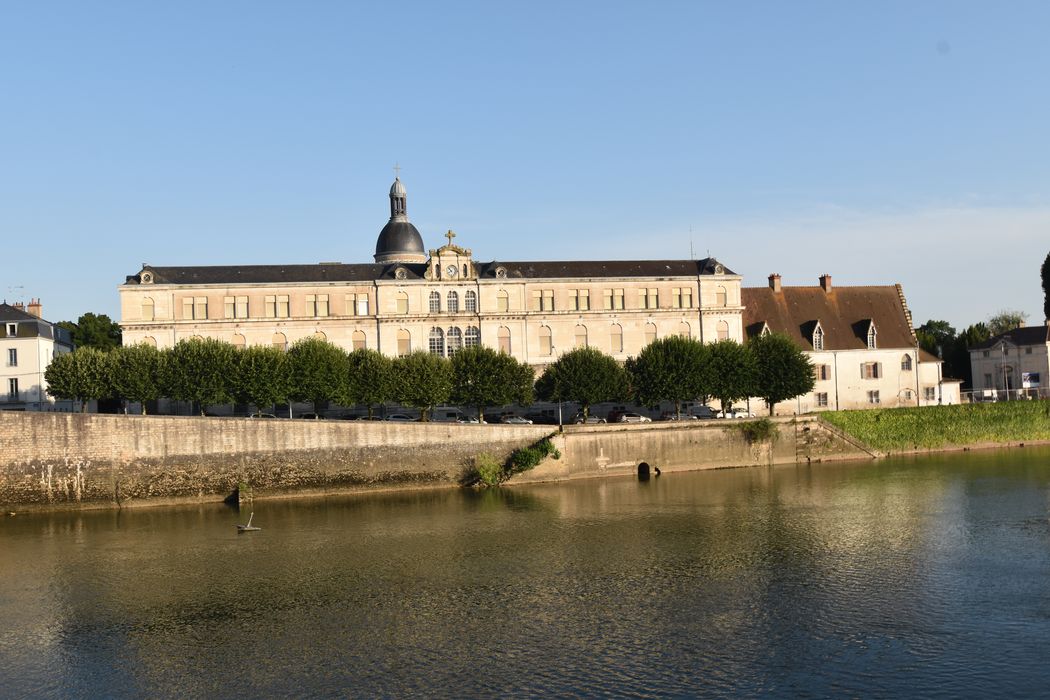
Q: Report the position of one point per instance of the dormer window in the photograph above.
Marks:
(818, 337)
(147, 278)
(871, 337)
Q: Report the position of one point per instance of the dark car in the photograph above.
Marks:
(589, 420)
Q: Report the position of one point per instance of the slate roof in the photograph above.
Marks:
(1029, 335)
(844, 313)
(366, 272)
(10, 313)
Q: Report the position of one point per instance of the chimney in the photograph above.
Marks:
(825, 282)
(19, 305)
(35, 308)
(774, 282)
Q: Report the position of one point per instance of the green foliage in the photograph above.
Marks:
(316, 371)
(91, 331)
(942, 426)
(782, 370)
(484, 377)
(422, 380)
(136, 373)
(732, 372)
(586, 376)
(671, 369)
(488, 471)
(1044, 273)
(1006, 321)
(761, 430)
(199, 370)
(370, 379)
(81, 375)
(260, 376)
(936, 337)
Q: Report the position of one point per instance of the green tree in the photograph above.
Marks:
(586, 376)
(136, 373)
(370, 379)
(1044, 273)
(782, 370)
(422, 380)
(1006, 321)
(671, 369)
(936, 337)
(93, 331)
(260, 376)
(484, 377)
(81, 375)
(317, 371)
(732, 372)
(200, 371)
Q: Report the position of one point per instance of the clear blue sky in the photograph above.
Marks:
(880, 142)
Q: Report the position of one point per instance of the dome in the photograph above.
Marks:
(398, 239)
(398, 188)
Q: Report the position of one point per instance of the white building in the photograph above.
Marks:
(1016, 363)
(27, 345)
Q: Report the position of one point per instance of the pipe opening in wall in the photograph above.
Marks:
(643, 471)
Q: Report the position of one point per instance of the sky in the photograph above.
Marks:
(882, 143)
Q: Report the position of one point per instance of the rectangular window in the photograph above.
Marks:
(985, 353)
(12, 389)
(316, 305)
(822, 372)
(584, 299)
(200, 308)
(402, 303)
(187, 308)
(871, 370)
(282, 306)
(229, 307)
(929, 393)
(687, 298)
(12, 330)
(503, 302)
(362, 305)
(616, 339)
(873, 397)
(1028, 351)
(546, 345)
(537, 300)
(504, 343)
(988, 381)
(822, 399)
(404, 344)
(548, 300)
(648, 299)
(242, 308)
(12, 357)
(574, 300)
(617, 299)
(270, 304)
(607, 299)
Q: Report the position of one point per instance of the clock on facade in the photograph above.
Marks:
(451, 270)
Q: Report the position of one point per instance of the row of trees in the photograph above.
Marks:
(941, 339)
(209, 372)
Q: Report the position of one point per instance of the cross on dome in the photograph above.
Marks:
(450, 235)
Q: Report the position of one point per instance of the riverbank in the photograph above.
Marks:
(937, 428)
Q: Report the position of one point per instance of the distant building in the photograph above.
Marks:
(860, 340)
(27, 345)
(1016, 363)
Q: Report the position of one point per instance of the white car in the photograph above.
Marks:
(735, 413)
(515, 420)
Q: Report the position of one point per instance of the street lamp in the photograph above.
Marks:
(1006, 388)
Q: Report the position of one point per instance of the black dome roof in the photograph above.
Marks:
(399, 237)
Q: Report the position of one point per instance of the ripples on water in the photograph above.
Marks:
(919, 577)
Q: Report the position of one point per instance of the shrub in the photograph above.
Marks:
(489, 472)
(759, 430)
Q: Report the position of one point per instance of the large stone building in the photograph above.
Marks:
(444, 299)
(1015, 364)
(27, 345)
(438, 301)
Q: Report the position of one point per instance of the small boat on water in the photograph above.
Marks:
(248, 527)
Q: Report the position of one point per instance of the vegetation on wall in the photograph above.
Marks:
(945, 426)
(488, 471)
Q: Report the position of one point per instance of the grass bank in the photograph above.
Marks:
(896, 429)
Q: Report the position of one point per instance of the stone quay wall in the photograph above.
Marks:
(618, 449)
(93, 460)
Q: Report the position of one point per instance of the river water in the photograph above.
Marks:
(915, 576)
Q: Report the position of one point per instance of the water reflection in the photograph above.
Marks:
(897, 577)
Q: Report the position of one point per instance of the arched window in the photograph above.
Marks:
(358, 340)
(906, 363)
(452, 301)
(580, 336)
(616, 338)
(871, 337)
(402, 302)
(503, 339)
(455, 341)
(280, 341)
(502, 301)
(436, 341)
(435, 303)
(147, 309)
(818, 338)
(237, 340)
(650, 333)
(149, 340)
(470, 301)
(473, 337)
(722, 330)
(320, 335)
(721, 298)
(404, 342)
(684, 330)
(546, 343)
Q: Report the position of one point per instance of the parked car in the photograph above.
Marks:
(671, 415)
(262, 415)
(542, 418)
(735, 413)
(312, 416)
(592, 419)
(629, 417)
(400, 418)
(514, 420)
(703, 413)
(470, 420)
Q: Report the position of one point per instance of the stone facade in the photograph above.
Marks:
(28, 343)
(1016, 362)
